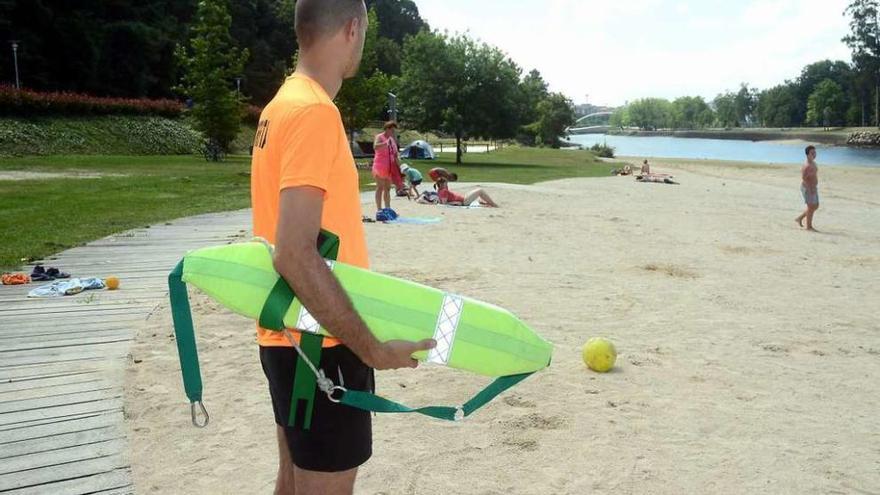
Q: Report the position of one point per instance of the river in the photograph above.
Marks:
(728, 149)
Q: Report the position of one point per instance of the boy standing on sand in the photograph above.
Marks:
(809, 188)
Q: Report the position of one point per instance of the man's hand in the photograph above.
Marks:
(396, 354)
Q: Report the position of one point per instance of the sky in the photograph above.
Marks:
(611, 52)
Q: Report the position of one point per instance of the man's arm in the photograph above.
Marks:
(297, 260)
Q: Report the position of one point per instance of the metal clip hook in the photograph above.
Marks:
(194, 413)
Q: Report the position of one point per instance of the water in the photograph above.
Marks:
(733, 150)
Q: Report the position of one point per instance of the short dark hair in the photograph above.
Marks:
(317, 18)
(390, 124)
(809, 149)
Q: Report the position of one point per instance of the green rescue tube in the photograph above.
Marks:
(471, 335)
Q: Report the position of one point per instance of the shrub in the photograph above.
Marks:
(28, 103)
(603, 150)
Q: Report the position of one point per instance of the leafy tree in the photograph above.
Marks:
(533, 91)
(826, 101)
(555, 115)
(650, 113)
(690, 112)
(778, 106)
(210, 65)
(398, 18)
(725, 110)
(363, 97)
(864, 41)
(744, 104)
(458, 86)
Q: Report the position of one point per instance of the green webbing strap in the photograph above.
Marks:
(186, 342)
(374, 403)
(302, 400)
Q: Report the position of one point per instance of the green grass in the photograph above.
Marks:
(517, 165)
(44, 216)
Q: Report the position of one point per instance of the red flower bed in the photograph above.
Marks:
(26, 102)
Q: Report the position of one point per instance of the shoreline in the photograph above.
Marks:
(837, 137)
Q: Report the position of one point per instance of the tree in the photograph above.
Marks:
(650, 113)
(827, 101)
(725, 110)
(458, 86)
(363, 97)
(210, 65)
(690, 112)
(555, 115)
(864, 41)
(744, 105)
(533, 90)
(398, 18)
(778, 106)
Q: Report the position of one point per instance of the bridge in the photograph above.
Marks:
(600, 121)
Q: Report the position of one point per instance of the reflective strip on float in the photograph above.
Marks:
(447, 325)
(306, 322)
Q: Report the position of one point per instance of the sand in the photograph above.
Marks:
(749, 349)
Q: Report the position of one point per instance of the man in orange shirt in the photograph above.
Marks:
(303, 180)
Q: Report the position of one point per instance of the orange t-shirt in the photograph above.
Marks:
(301, 141)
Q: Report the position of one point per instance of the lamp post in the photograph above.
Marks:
(14, 44)
(238, 85)
(392, 106)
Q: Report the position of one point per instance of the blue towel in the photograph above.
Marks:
(415, 221)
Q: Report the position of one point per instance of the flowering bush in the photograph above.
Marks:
(26, 102)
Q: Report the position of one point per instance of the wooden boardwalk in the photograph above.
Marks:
(62, 361)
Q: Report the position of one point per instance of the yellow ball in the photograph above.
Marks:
(112, 283)
(599, 354)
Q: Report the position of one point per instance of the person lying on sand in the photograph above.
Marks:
(448, 197)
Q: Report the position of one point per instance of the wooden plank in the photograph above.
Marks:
(83, 321)
(62, 441)
(12, 334)
(62, 427)
(59, 400)
(65, 340)
(23, 419)
(49, 311)
(32, 357)
(104, 298)
(73, 470)
(61, 369)
(53, 386)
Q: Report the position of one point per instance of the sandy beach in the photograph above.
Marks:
(749, 349)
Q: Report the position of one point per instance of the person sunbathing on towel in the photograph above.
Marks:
(448, 197)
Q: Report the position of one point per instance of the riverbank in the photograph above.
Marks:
(838, 136)
(748, 355)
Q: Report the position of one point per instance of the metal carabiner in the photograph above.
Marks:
(194, 413)
(334, 389)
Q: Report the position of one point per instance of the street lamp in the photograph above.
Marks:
(392, 106)
(238, 85)
(14, 44)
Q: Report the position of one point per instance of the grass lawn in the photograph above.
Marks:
(39, 217)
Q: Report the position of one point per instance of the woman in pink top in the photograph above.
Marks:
(384, 160)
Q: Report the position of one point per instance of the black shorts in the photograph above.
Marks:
(416, 182)
(340, 437)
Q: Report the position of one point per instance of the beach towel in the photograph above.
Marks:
(414, 221)
(67, 287)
